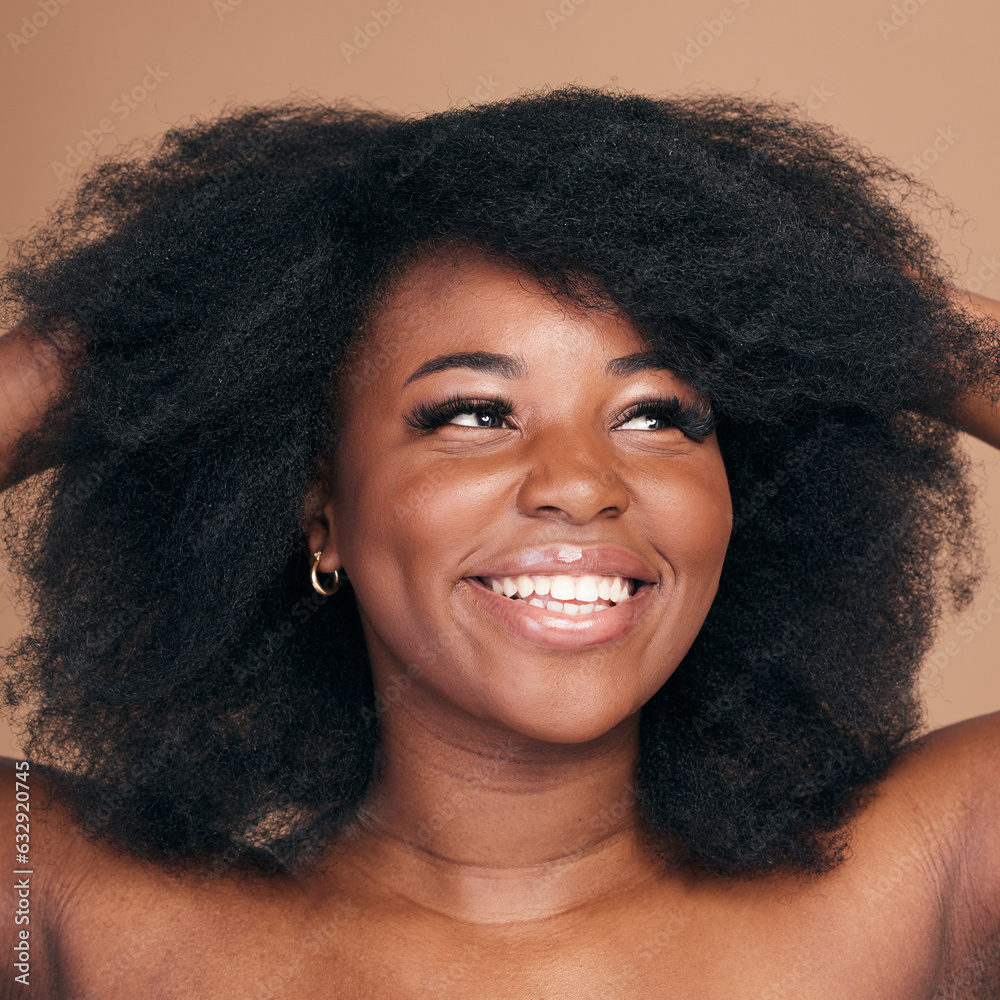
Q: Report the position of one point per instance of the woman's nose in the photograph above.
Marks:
(575, 478)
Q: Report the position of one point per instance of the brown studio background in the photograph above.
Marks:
(914, 80)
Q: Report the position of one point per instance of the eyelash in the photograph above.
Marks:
(428, 416)
(688, 416)
(691, 418)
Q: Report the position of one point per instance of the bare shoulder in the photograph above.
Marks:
(37, 834)
(61, 882)
(104, 922)
(949, 783)
(950, 777)
(37, 824)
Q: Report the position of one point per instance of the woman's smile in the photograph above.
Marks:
(566, 596)
(522, 489)
(564, 625)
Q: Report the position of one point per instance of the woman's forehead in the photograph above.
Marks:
(473, 312)
(466, 296)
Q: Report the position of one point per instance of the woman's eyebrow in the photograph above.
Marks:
(503, 365)
(507, 366)
(631, 364)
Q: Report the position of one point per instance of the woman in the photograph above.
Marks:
(491, 555)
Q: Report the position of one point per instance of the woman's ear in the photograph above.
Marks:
(318, 520)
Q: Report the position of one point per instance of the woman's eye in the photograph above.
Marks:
(646, 422)
(477, 418)
(461, 411)
(692, 418)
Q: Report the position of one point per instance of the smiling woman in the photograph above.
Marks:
(494, 552)
(548, 465)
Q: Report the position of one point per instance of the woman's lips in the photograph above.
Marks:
(556, 628)
(567, 557)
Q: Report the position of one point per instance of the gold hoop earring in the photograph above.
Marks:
(317, 586)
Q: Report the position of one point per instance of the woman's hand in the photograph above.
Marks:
(975, 414)
(32, 371)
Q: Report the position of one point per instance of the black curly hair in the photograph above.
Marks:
(192, 698)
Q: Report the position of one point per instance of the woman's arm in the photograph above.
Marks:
(32, 371)
(974, 413)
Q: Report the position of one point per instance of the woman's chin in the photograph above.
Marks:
(561, 721)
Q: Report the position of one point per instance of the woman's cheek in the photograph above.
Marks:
(442, 499)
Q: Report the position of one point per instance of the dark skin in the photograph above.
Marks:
(500, 854)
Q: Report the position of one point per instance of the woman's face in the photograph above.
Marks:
(552, 480)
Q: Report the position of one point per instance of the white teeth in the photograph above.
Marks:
(571, 609)
(536, 603)
(588, 590)
(585, 609)
(553, 606)
(601, 607)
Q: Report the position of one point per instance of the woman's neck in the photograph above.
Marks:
(486, 827)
